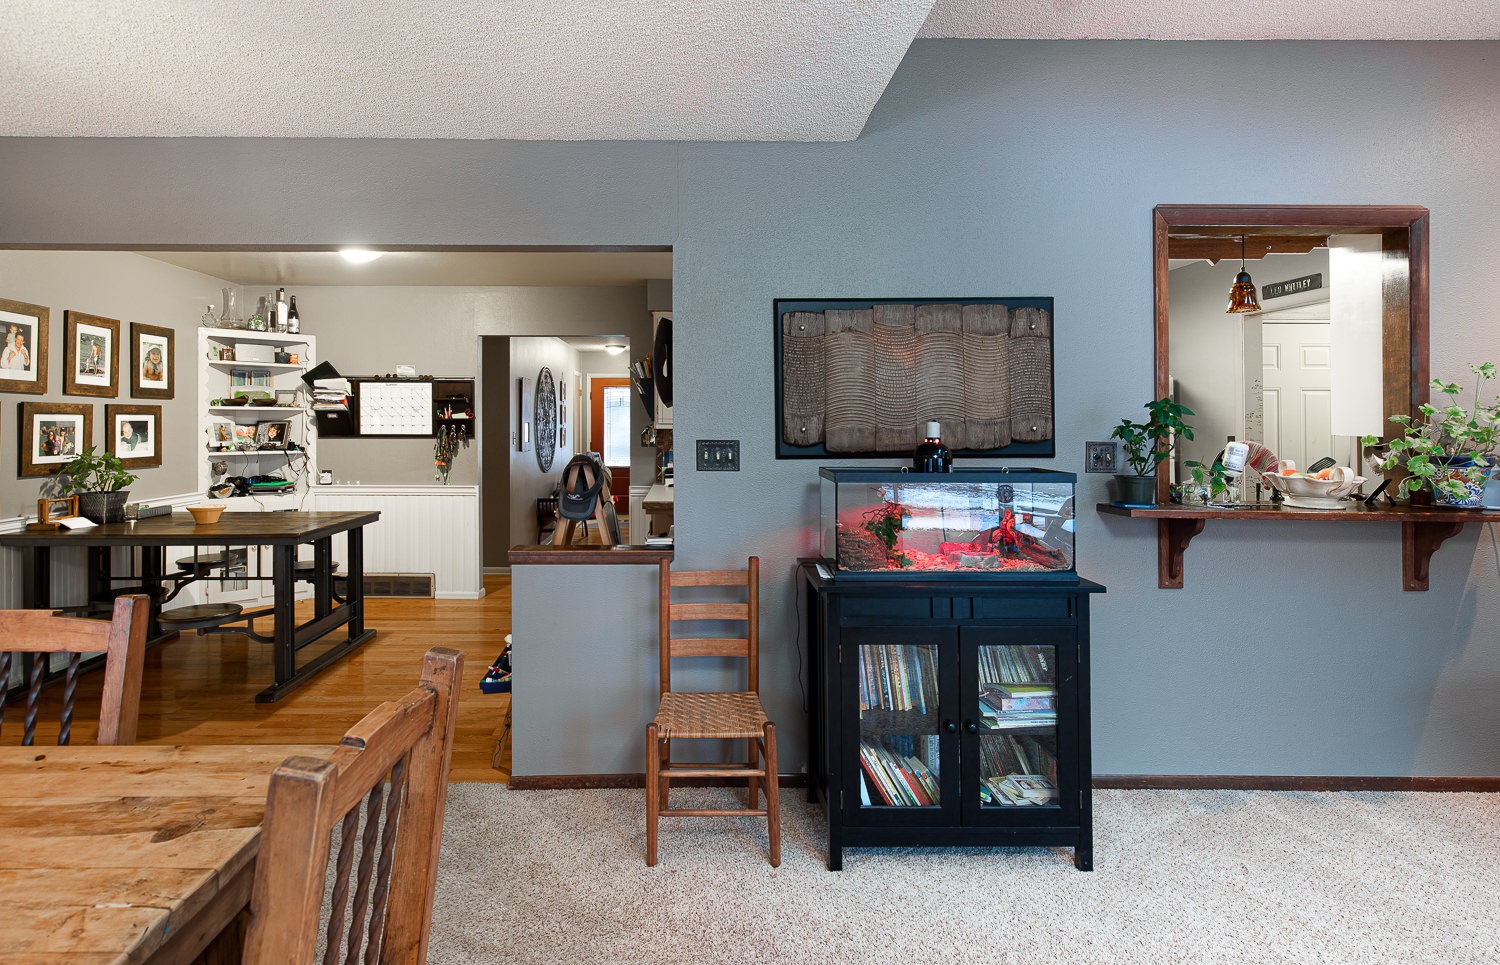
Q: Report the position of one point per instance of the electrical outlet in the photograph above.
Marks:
(718, 455)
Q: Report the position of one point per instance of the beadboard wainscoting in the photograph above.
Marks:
(422, 529)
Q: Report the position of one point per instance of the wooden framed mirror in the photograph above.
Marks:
(1223, 232)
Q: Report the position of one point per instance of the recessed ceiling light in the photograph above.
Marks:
(359, 256)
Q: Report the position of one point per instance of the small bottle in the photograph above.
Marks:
(932, 455)
(281, 309)
(293, 322)
(208, 320)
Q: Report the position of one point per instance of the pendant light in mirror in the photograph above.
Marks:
(1242, 295)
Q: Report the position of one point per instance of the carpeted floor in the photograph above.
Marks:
(1181, 876)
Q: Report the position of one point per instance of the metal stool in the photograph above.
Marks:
(202, 616)
(204, 564)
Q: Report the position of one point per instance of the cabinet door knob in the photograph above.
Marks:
(971, 727)
(950, 727)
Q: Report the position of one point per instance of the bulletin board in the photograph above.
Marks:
(401, 408)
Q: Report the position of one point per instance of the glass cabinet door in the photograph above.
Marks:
(1018, 732)
(900, 752)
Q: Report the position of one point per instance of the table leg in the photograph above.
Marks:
(323, 577)
(152, 559)
(284, 612)
(354, 593)
(36, 577)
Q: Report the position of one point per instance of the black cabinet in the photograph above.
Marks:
(948, 712)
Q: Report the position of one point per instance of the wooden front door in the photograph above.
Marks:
(609, 429)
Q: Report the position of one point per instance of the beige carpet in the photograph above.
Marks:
(1181, 876)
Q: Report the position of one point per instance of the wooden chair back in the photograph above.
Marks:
(122, 640)
(384, 790)
(746, 611)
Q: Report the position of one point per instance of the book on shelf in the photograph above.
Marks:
(1007, 689)
(898, 677)
(1032, 787)
(898, 779)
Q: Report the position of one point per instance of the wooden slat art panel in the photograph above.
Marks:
(859, 380)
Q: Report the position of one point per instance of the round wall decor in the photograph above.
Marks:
(544, 419)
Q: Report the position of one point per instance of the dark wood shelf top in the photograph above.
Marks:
(584, 555)
(269, 528)
(1357, 512)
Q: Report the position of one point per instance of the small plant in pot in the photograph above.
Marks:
(99, 479)
(1147, 445)
(1446, 449)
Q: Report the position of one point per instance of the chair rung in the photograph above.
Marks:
(674, 772)
(712, 813)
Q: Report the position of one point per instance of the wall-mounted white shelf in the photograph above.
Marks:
(263, 366)
(257, 338)
(287, 410)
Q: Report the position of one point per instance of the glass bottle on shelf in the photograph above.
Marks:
(230, 316)
(293, 321)
(280, 325)
(209, 320)
(932, 455)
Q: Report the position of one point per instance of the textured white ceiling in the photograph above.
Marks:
(741, 70)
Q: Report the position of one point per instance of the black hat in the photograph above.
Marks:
(661, 361)
(582, 479)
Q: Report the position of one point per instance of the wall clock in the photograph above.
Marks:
(545, 415)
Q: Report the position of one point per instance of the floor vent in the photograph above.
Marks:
(398, 584)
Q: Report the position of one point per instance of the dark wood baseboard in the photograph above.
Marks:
(1259, 782)
(577, 782)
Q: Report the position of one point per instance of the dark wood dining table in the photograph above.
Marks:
(129, 854)
(282, 531)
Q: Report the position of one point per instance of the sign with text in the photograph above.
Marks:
(1292, 286)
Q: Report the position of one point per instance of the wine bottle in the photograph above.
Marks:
(932, 455)
(293, 321)
(281, 309)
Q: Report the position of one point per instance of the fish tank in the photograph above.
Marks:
(983, 523)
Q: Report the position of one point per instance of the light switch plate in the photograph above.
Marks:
(718, 455)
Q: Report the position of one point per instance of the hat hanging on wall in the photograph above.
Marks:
(582, 480)
(1242, 295)
(661, 361)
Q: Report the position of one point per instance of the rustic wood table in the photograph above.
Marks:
(129, 854)
(282, 531)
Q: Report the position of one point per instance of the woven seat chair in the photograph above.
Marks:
(384, 789)
(685, 715)
(122, 639)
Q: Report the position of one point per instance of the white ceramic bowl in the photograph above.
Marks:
(1341, 482)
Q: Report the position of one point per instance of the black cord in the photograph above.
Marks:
(801, 663)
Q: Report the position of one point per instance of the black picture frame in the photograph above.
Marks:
(1045, 449)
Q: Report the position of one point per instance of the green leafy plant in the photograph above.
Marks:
(885, 522)
(1445, 445)
(1213, 480)
(1148, 444)
(92, 472)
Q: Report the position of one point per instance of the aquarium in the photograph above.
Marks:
(995, 523)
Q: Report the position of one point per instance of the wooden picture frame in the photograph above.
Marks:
(56, 507)
(51, 434)
(133, 432)
(23, 364)
(153, 362)
(91, 355)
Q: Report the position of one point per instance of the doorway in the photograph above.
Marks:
(609, 429)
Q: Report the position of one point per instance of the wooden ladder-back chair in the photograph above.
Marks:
(389, 774)
(723, 716)
(122, 639)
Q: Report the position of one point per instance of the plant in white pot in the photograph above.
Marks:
(99, 479)
(1447, 449)
(1147, 445)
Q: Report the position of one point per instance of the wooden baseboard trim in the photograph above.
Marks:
(1258, 782)
(579, 782)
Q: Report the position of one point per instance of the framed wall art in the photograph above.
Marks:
(527, 401)
(546, 420)
(862, 377)
(23, 360)
(52, 433)
(91, 354)
(153, 362)
(134, 434)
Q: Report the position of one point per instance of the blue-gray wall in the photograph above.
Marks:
(1019, 168)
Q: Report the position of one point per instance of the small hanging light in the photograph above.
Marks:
(1242, 295)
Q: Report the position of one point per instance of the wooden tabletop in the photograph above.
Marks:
(1353, 513)
(180, 529)
(106, 853)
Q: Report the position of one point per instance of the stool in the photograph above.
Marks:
(202, 616)
(308, 570)
(204, 564)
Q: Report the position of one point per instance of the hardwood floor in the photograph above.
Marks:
(201, 690)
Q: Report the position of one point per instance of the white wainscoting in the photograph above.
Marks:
(422, 529)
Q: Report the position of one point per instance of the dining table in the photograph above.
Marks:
(141, 853)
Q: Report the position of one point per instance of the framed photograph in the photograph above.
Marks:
(226, 354)
(91, 352)
(1099, 457)
(272, 435)
(528, 400)
(52, 433)
(244, 435)
(134, 434)
(153, 362)
(23, 360)
(58, 507)
(220, 434)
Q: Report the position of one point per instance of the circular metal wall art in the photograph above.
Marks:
(544, 419)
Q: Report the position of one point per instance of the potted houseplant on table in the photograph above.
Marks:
(1147, 445)
(99, 479)
(1447, 449)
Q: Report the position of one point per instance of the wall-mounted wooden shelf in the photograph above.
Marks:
(1423, 530)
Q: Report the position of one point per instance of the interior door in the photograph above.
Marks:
(1298, 413)
(609, 429)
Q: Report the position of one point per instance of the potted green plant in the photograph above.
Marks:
(1147, 445)
(1447, 449)
(99, 479)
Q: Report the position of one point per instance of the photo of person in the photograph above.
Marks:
(152, 360)
(92, 360)
(244, 436)
(153, 365)
(134, 438)
(23, 355)
(56, 440)
(92, 354)
(16, 356)
(221, 435)
(272, 435)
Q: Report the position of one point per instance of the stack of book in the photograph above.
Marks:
(1010, 705)
(899, 780)
(1018, 790)
(898, 677)
(1002, 754)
